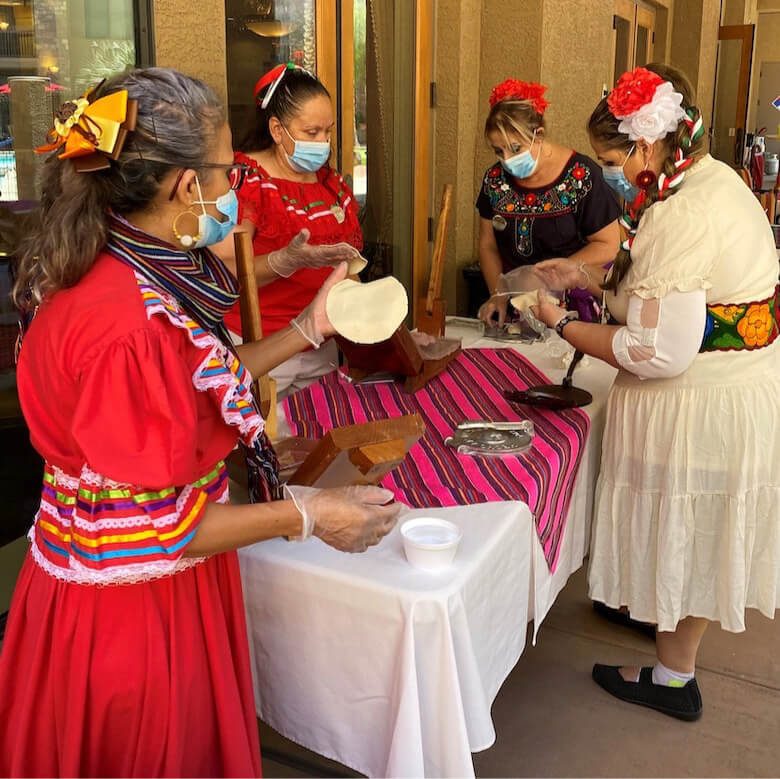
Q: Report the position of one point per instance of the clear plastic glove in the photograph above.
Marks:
(494, 309)
(349, 519)
(300, 254)
(563, 274)
(313, 323)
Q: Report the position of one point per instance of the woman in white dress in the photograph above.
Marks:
(687, 516)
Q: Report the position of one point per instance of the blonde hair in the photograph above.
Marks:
(518, 116)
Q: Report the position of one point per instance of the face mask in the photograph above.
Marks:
(522, 165)
(211, 230)
(307, 156)
(616, 180)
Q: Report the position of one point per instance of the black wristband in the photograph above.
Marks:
(571, 316)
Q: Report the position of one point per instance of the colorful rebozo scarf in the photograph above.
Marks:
(206, 290)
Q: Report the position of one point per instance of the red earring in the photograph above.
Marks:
(645, 179)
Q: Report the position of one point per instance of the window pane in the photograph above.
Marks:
(261, 34)
(52, 51)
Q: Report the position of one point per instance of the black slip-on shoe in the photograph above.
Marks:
(623, 618)
(680, 702)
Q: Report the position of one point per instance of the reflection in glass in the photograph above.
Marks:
(52, 51)
(261, 34)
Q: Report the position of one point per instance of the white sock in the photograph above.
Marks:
(665, 676)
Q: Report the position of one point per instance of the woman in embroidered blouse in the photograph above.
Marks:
(126, 651)
(540, 200)
(687, 512)
(290, 187)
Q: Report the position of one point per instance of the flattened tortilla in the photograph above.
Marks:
(367, 313)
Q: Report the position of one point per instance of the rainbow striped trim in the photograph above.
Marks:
(92, 530)
(220, 372)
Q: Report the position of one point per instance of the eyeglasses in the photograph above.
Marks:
(236, 174)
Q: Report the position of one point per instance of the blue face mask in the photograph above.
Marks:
(616, 180)
(211, 230)
(522, 165)
(307, 156)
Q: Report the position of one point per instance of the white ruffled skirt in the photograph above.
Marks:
(687, 512)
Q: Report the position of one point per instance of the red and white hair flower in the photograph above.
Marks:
(647, 106)
(512, 89)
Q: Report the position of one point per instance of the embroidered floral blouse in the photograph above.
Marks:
(133, 407)
(531, 225)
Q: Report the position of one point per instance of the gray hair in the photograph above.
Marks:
(178, 121)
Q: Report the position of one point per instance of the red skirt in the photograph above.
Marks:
(148, 679)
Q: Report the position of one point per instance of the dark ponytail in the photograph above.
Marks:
(296, 88)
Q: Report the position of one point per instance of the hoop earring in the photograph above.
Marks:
(185, 239)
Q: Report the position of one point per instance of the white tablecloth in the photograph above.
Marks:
(393, 671)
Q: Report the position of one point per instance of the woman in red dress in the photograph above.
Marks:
(290, 188)
(126, 650)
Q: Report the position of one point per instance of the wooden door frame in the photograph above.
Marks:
(621, 9)
(645, 12)
(745, 33)
(422, 153)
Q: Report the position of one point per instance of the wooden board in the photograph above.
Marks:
(359, 454)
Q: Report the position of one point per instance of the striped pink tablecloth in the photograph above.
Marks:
(434, 474)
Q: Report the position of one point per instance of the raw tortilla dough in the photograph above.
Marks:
(356, 265)
(367, 313)
(525, 300)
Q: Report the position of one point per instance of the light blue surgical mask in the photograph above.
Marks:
(210, 229)
(307, 156)
(616, 180)
(522, 165)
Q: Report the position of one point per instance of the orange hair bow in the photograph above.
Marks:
(93, 132)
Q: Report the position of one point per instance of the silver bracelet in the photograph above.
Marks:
(581, 269)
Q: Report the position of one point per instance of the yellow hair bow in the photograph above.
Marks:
(93, 132)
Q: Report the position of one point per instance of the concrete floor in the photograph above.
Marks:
(552, 720)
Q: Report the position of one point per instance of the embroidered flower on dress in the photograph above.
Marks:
(757, 324)
(578, 171)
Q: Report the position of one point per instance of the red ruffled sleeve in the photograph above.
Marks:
(136, 419)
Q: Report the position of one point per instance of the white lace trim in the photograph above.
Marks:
(132, 573)
(251, 426)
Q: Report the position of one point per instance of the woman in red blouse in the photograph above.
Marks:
(290, 187)
(126, 650)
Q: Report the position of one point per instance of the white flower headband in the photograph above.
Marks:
(647, 106)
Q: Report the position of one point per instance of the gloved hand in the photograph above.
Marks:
(300, 254)
(349, 519)
(313, 323)
(495, 308)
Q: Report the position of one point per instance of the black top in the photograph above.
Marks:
(531, 225)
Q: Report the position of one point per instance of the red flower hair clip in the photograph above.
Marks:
(512, 89)
(633, 90)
